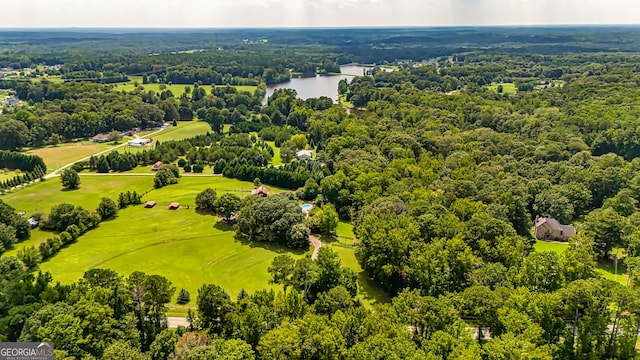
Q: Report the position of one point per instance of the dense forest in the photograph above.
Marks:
(440, 170)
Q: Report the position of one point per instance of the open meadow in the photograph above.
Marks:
(176, 89)
(507, 88)
(56, 156)
(187, 247)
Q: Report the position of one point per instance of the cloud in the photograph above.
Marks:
(259, 13)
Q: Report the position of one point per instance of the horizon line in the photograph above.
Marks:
(317, 27)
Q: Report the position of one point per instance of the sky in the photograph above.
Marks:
(311, 13)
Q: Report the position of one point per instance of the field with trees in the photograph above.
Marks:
(424, 199)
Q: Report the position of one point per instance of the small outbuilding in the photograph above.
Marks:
(260, 191)
(304, 154)
(33, 223)
(551, 229)
(138, 142)
(156, 166)
(149, 204)
(174, 206)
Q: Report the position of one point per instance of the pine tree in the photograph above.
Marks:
(183, 297)
(121, 202)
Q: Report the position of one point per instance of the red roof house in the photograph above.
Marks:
(262, 191)
(174, 206)
(157, 166)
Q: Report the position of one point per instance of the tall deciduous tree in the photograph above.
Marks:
(70, 179)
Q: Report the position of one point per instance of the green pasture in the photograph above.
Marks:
(187, 247)
(507, 88)
(185, 129)
(176, 89)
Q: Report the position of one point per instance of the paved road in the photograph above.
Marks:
(55, 172)
(316, 243)
(174, 322)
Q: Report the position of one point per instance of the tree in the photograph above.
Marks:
(206, 200)
(272, 219)
(327, 220)
(223, 349)
(115, 136)
(14, 135)
(183, 297)
(607, 229)
(214, 306)
(167, 175)
(70, 179)
(227, 205)
(107, 208)
(164, 345)
(123, 350)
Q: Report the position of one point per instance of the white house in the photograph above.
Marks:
(138, 142)
(304, 154)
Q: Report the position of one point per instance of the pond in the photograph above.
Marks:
(320, 85)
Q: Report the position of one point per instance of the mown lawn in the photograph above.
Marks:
(541, 246)
(42, 195)
(185, 129)
(369, 292)
(188, 248)
(507, 88)
(276, 160)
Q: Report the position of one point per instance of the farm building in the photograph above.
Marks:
(551, 229)
(174, 206)
(33, 223)
(149, 204)
(304, 154)
(138, 142)
(100, 138)
(261, 191)
(156, 166)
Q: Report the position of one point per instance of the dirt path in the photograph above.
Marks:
(316, 243)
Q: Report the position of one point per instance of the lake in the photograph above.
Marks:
(320, 85)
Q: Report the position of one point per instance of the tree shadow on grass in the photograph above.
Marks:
(609, 269)
(67, 189)
(276, 248)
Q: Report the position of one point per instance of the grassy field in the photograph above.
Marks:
(277, 160)
(8, 174)
(41, 196)
(187, 247)
(507, 88)
(606, 268)
(185, 129)
(369, 292)
(556, 247)
(57, 156)
(176, 89)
